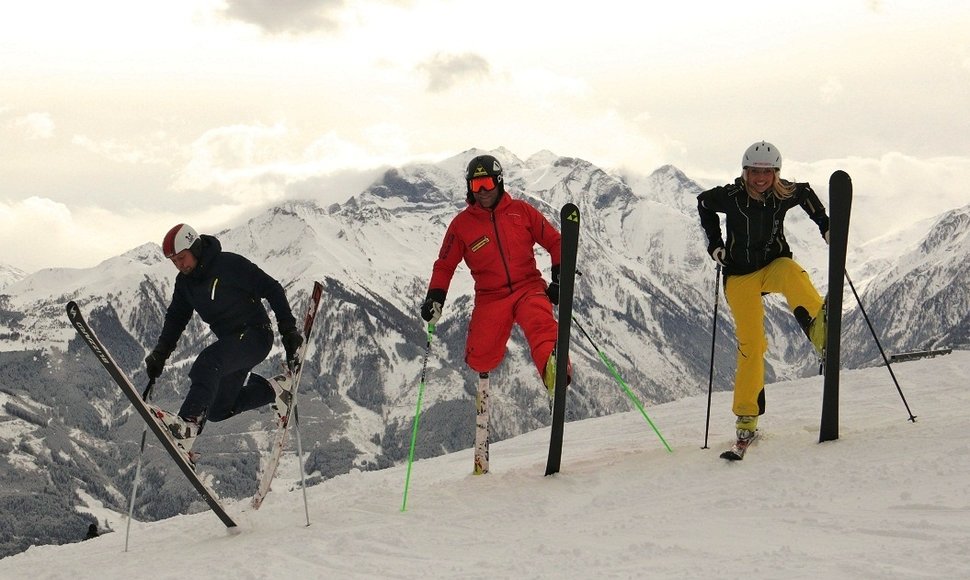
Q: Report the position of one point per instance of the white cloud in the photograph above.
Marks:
(286, 16)
(151, 149)
(36, 126)
(252, 117)
(21, 221)
(251, 165)
(446, 70)
(893, 191)
(831, 90)
(232, 160)
(85, 235)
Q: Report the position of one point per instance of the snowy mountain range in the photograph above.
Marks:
(9, 275)
(646, 296)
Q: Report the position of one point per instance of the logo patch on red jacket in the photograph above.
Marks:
(480, 243)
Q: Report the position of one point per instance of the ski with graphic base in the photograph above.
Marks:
(294, 373)
(740, 447)
(160, 431)
(481, 425)
(840, 206)
(569, 242)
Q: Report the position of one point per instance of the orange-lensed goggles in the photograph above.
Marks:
(481, 183)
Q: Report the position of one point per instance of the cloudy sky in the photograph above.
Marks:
(119, 119)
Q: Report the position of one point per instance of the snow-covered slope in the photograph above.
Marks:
(887, 500)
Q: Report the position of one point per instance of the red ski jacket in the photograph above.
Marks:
(498, 247)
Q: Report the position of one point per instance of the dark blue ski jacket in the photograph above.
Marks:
(226, 290)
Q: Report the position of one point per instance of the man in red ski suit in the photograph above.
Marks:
(495, 236)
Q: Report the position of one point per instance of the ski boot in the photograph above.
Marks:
(183, 430)
(814, 328)
(283, 387)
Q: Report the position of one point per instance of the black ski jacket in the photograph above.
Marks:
(226, 290)
(755, 230)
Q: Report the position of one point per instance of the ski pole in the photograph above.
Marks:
(912, 417)
(134, 488)
(295, 367)
(299, 454)
(710, 380)
(622, 383)
(417, 418)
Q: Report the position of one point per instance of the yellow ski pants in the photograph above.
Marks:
(743, 294)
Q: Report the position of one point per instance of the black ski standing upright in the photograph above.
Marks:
(567, 275)
(840, 206)
(77, 320)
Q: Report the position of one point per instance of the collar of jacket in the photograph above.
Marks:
(211, 248)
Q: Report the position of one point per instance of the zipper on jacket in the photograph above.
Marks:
(212, 296)
(501, 252)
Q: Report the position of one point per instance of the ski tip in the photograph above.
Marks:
(569, 212)
(840, 176)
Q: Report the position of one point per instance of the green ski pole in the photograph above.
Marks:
(417, 418)
(623, 384)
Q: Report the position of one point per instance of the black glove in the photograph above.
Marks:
(292, 341)
(552, 291)
(154, 363)
(431, 308)
(719, 255)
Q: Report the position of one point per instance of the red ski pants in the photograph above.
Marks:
(491, 326)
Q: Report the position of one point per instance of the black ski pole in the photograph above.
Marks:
(710, 380)
(912, 417)
(134, 488)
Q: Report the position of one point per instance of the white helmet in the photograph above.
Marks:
(762, 154)
(179, 238)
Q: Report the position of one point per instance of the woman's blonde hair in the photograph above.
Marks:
(780, 188)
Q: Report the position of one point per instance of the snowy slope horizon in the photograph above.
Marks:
(887, 499)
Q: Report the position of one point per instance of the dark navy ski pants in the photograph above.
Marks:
(219, 388)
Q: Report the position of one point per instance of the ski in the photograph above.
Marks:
(481, 425)
(279, 439)
(740, 447)
(840, 206)
(119, 376)
(569, 220)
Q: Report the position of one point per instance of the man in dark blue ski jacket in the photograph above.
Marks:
(226, 290)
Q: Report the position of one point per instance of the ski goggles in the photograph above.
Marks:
(477, 184)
